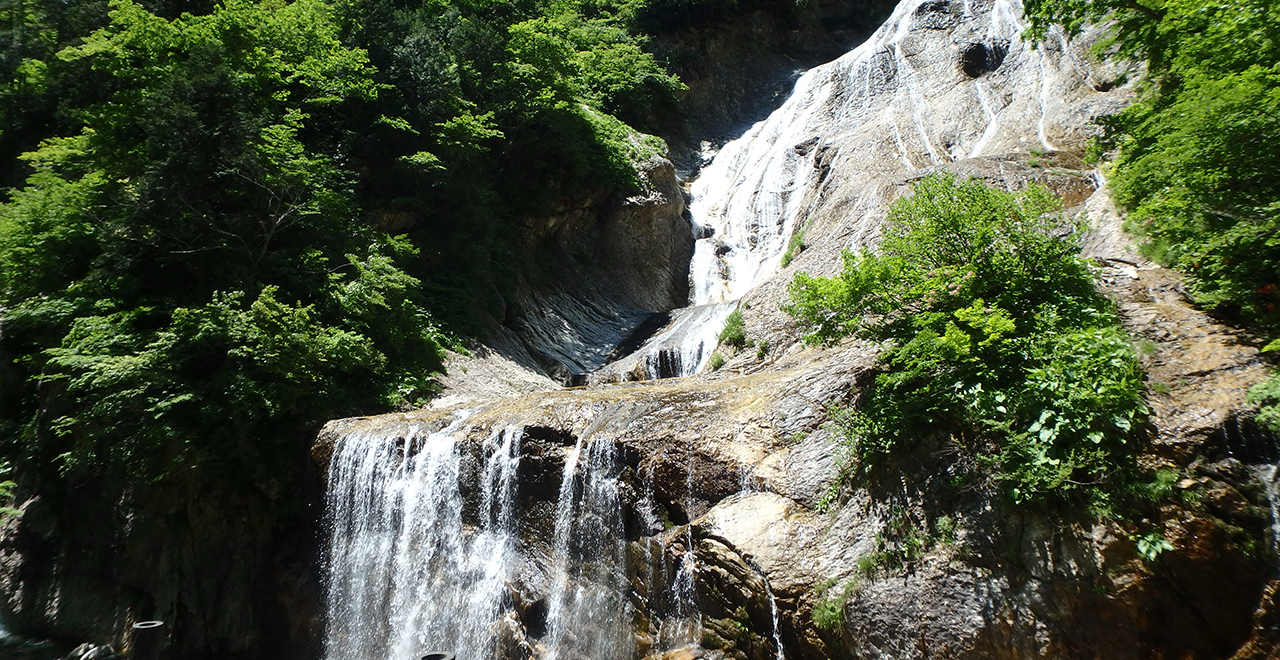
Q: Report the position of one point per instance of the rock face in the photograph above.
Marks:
(734, 466)
(229, 576)
(595, 272)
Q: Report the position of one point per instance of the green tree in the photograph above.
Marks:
(188, 276)
(1197, 151)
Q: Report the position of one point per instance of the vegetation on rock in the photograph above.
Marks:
(734, 332)
(995, 336)
(1196, 155)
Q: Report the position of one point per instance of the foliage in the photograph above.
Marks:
(185, 279)
(198, 263)
(717, 361)
(1198, 178)
(994, 334)
(828, 611)
(794, 246)
(1266, 395)
(734, 332)
(1152, 545)
(900, 543)
(1197, 152)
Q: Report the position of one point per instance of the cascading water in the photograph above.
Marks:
(405, 575)
(420, 562)
(683, 625)
(890, 103)
(589, 610)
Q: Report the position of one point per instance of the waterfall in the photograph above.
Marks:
(897, 103)
(589, 613)
(430, 549)
(683, 626)
(419, 561)
(406, 576)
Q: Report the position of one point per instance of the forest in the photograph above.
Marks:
(227, 223)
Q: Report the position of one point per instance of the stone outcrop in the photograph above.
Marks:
(593, 273)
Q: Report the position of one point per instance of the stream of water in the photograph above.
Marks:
(413, 570)
(406, 576)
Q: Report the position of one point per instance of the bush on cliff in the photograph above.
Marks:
(995, 336)
(1197, 154)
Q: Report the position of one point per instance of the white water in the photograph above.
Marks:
(1269, 475)
(408, 575)
(405, 576)
(897, 110)
(589, 612)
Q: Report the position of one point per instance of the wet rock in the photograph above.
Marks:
(1264, 643)
(595, 273)
(92, 652)
(512, 642)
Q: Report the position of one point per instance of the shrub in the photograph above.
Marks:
(734, 333)
(794, 246)
(996, 338)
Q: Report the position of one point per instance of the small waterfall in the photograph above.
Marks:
(777, 632)
(411, 572)
(685, 346)
(588, 615)
(406, 576)
(683, 627)
(773, 607)
(1269, 475)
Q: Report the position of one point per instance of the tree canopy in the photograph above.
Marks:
(231, 221)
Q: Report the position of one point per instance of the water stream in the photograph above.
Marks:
(426, 551)
(406, 576)
(589, 611)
